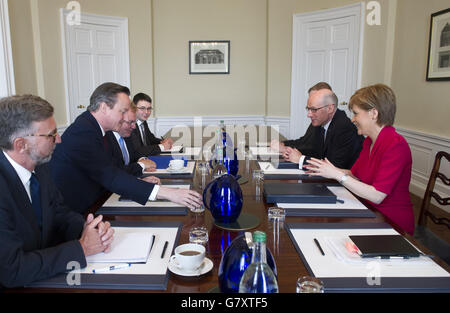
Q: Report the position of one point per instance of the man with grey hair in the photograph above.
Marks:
(84, 170)
(39, 235)
(330, 135)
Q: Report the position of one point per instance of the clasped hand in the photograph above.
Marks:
(97, 235)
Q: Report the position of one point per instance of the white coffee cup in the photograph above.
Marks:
(188, 257)
(176, 164)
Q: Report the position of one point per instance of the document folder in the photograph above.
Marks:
(384, 246)
(298, 193)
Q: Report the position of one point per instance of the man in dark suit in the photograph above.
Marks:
(330, 135)
(39, 235)
(122, 150)
(82, 168)
(144, 142)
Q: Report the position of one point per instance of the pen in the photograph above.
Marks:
(164, 249)
(111, 268)
(153, 242)
(318, 246)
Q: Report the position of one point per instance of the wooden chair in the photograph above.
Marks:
(438, 246)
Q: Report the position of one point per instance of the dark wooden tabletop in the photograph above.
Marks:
(289, 264)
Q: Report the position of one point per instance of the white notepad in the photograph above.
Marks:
(269, 169)
(126, 248)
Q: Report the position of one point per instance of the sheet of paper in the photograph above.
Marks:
(264, 152)
(188, 169)
(334, 265)
(350, 202)
(128, 247)
(113, 201)
(189, 151)
(269, 169)
(155, 264)
(174, 149)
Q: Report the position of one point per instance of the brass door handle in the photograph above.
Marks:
(81, 107)
(343, 103)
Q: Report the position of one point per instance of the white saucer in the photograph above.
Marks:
(206, 266)
(181, 170)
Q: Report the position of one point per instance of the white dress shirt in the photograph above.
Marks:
(22, 172)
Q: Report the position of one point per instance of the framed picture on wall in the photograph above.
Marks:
(439, 47)
(209, 57)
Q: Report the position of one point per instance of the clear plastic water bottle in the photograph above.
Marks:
(258, 276)
(220, 168)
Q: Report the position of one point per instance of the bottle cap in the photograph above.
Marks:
(259, 236)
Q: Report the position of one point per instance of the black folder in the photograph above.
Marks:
(298, 193)
(287, 165)
(384, 246)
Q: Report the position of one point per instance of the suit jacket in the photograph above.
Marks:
(83, 170)
(28, 253)
(342, 144)
(113, 148)
(150, 148)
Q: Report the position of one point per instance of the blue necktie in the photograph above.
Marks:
(126, 158)
(35, 191)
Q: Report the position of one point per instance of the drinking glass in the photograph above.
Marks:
(308, 284)
(199, 235)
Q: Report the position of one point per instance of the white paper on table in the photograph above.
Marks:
(189, 168)
(189, 151)
(264, 152)
(332, 265)
(113, 201)
(174, 149)
(127, 247)
(268, 168)
(155, 264)
(350, 202)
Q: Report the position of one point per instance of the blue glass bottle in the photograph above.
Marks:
(258, 277)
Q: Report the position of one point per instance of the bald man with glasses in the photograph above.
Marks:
(330, 135)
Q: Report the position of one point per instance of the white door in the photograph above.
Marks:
(326, 47)
(96, 51)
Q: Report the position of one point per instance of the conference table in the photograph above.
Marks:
(289, 264)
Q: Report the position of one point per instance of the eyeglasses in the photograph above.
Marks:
(145, 109)
(314, 110)
(52, 135)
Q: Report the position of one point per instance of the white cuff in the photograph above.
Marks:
(154, 192)
(162, 148)
(300, 162)
(142, 165)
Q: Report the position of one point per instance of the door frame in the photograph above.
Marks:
(87, 18)
(298, 118)
(8, 87)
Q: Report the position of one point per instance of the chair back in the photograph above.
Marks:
(431, 193)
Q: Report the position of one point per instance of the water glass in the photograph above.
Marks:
(276, 213)
(258, 175)
(199, 209)
(308, 284)
(199, 235)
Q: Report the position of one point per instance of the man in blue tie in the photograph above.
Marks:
(122, 150)
(39, 235)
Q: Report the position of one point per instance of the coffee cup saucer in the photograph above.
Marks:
(180, 170)
(204, 268)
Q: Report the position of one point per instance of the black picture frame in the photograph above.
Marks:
(209, 57)
(438, 66)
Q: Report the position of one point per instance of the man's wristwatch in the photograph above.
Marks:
(343, 179)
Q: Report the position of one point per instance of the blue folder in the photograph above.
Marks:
(162, 161)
